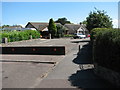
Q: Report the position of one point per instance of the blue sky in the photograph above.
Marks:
(23, 12)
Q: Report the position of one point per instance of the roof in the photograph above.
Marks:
(72, 26)
(38, 25)
(12, 28)
(75, 27)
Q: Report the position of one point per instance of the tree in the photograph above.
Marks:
(60, 30)
(84, 22)
(5, 26)
(98, 19)
(63, 21)
(52, 28)
(16, 25)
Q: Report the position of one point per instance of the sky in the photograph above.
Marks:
(21, 13)
(60, 0)
(119, 15)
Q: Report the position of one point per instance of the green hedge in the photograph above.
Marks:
(68, 35)
(94, 32)
(107, 47)
(19, 35)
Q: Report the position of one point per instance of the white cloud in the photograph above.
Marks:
(115, 23)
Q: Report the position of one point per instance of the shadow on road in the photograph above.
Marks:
(85, 77)
(84, 56)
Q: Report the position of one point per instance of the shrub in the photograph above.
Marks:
(68, 35)
(19, 35)
(107, 48)
(95, 31)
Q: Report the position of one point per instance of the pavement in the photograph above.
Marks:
(74, 70)
(23, 75)
(45, 42)
(26, 71)
(32, 58)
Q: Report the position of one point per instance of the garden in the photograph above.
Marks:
(19, 35)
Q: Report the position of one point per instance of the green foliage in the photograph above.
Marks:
(95, 31)
(19, 35)
(98, 19)
(60, 31)
(84, 22)
(68, 35)
(52, 28)
(107, 48)
(63, 21)
(5, 26)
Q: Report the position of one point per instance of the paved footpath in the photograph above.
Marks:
(74, 71)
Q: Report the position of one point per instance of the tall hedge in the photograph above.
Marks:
(95, 31)
(107, 47)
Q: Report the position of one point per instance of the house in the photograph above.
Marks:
(38, 26)
(12, 28)
(69, 28)
(76, 28)
(41, 27)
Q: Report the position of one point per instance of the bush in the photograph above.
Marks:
(68, 35)
(107, 48)
(19, 35)
(95, 31)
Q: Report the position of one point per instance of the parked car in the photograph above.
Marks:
(88, 35)
(79, 35)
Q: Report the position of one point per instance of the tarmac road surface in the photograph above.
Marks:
(74, 70)
(25, 71)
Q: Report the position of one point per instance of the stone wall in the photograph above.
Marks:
(109, 75)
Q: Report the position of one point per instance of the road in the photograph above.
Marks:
(24, 71)
(67, 42)
(74, 70)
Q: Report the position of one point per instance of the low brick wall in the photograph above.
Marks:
(109, 75)
(35, 50)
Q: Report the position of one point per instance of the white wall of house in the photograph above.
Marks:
(81, 30)
(45, 29)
